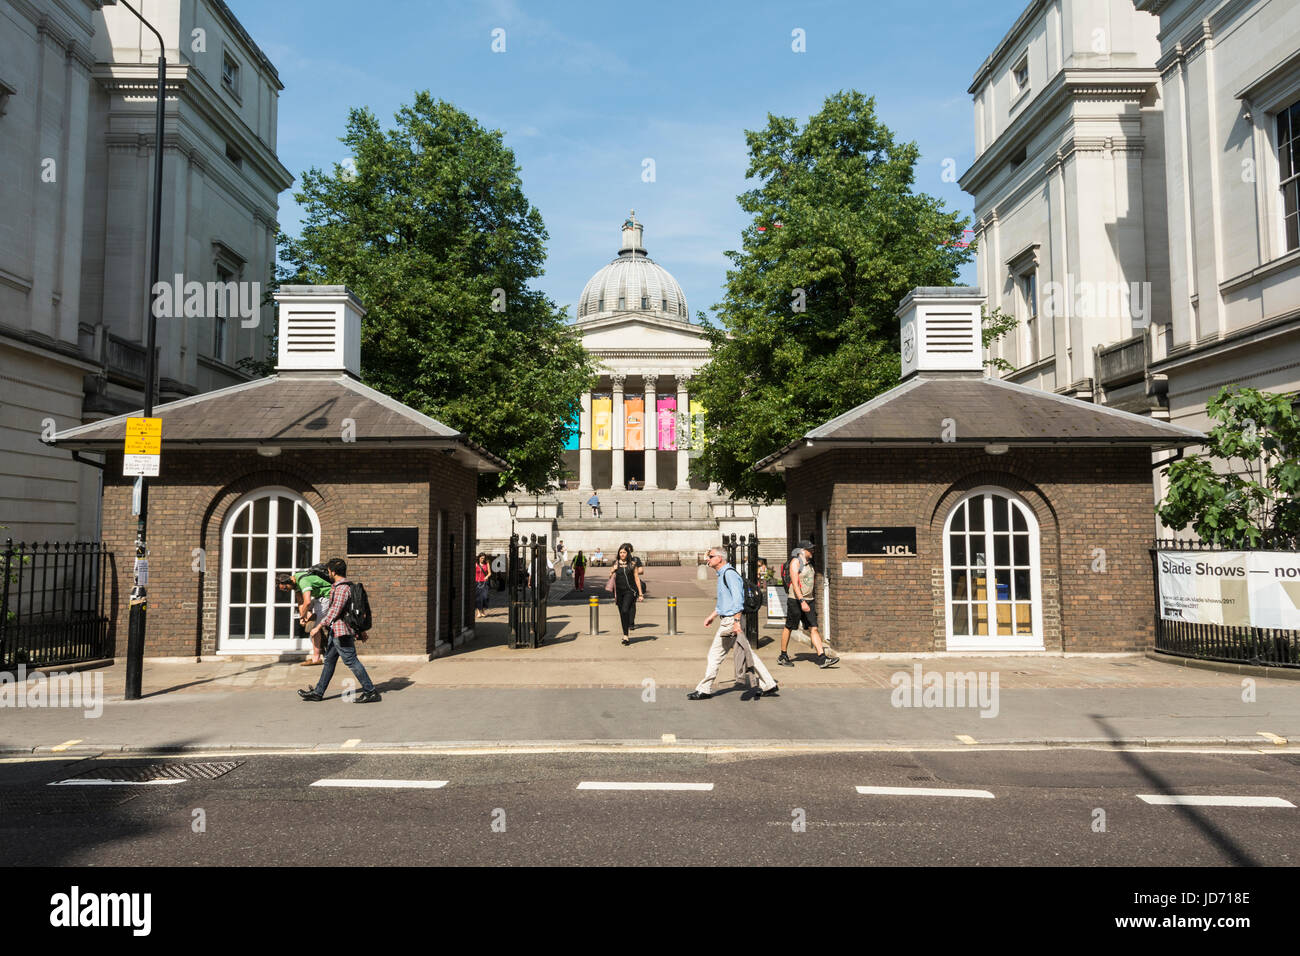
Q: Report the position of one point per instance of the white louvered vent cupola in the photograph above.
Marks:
(940, 331)
(319, 329)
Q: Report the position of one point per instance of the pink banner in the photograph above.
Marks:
(668, 423)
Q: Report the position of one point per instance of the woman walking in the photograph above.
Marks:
(628, 589)
(482, 577)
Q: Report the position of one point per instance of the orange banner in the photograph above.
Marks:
(634, 430)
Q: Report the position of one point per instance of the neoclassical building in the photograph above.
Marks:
(639, 421)
(636, 422)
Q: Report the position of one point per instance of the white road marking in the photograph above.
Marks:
(94, 782)
(1280, 741)
(966, 738)
(642, 785)
(382, 784)
(65, 745)
(1192, 800)
(352, 742)
(924, 792)
(668, 738)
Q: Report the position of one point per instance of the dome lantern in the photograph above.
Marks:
(632, 283)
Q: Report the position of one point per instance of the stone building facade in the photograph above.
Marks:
(77, 107)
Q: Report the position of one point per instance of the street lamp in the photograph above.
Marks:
(514, 508)
(139, 593)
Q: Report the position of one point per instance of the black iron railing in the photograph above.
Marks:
(1263, 646)
(528, 584)
(54, 604)
(742, 554)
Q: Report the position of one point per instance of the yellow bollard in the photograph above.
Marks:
(593, 626)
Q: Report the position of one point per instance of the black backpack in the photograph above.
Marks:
(317, 569)
(356, 613)
(754, 598)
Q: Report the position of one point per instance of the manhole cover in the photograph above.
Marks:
(136, 773)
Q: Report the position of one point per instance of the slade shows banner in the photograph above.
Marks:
(1234, 588)
(668, 423)
(634, 427)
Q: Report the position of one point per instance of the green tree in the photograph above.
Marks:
(429, 226)
(1255, 504)
(838, 237)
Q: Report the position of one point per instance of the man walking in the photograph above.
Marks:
(800, 607)
(731, 602)
(342, 639)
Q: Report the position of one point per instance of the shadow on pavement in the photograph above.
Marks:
(1236, 855)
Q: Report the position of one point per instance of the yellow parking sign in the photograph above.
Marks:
(142, 450)
(143, 436)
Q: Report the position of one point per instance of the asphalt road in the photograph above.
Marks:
(1072, 807)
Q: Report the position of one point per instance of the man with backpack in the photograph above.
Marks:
(800, 576)
(345, 620)
(730, 609)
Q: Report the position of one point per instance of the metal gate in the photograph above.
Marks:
(528, 583)
(742, 554)
(55, 603)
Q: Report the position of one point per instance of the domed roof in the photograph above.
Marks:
(632, 282)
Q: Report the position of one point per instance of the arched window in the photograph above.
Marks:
(645, 301)
(663, 305)
(600, 305)
(266, 532)
(992, 573)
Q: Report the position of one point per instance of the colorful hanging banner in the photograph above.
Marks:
(571, 440)
(697, 424)
(634, 424)
(602, 418)
(668, 423)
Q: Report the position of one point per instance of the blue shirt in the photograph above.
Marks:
(731, 591)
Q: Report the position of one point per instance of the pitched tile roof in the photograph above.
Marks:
(982, 411)
(291, 410)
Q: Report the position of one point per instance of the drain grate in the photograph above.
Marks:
(136, 773)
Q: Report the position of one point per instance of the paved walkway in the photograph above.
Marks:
(580, 687)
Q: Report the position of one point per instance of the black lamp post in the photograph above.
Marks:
(139, 593)
(514, 508)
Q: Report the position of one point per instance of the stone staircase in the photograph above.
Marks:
(630, 509)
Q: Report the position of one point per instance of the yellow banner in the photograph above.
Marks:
(602, 418)
(697, 425)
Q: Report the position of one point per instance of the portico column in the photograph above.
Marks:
(617, 470)
(651, 432)
(584, 444)
(683, 408)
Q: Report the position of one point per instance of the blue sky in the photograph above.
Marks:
(585, 91)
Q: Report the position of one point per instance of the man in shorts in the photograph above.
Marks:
(800, 608)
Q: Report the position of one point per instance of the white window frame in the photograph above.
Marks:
(1032, 338)
(270, 645)
(995, 642)
(231, 83)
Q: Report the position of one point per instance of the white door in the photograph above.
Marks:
(991, 574)
(266, 532)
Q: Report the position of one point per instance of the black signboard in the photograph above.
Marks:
(888, 542)
(384, 542)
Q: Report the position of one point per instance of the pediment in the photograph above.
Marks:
(641, 332)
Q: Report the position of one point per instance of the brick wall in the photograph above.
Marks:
(1084, 499)
(190, 500)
